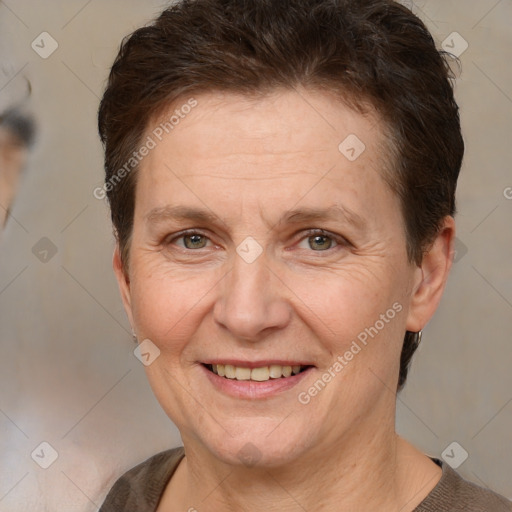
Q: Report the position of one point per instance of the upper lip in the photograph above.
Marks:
(256, 364)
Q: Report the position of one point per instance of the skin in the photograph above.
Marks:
(13, 155)
(248, 162)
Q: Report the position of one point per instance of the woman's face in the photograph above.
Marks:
(294, 255)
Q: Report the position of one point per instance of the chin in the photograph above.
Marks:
(256, 448)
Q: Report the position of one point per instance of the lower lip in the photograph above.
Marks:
(253, 389)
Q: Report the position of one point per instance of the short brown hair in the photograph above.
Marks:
(365, 51)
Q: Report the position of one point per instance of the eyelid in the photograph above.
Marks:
(176, 236)
(340, 240)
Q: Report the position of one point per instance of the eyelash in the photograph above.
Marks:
(339, 240)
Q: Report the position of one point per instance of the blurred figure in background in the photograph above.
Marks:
(17, 131)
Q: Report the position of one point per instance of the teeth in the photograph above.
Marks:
(242, 373)
(230, 371)
(260, 374)
(276, 371)
(257, 374)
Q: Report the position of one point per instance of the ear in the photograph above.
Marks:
(431, 276)
(123, 281)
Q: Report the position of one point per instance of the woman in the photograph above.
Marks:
(281, 178)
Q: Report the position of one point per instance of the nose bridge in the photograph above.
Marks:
(250, 302)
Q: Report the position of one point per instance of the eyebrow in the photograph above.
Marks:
(335, 212)
(178, 213)
(295, 216)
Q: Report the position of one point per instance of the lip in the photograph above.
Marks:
(256, 364)
(253, 390)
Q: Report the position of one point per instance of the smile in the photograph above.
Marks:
(258, 374)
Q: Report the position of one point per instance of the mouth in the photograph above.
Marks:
(256, 374)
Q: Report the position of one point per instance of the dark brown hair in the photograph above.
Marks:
(366, 52)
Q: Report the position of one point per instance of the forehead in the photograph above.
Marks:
(279, 122)
(274, 149)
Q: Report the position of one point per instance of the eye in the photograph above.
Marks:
(319, 240)
(191, 240)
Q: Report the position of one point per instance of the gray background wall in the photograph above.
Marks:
(67, 371)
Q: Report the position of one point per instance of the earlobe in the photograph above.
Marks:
(432, 276)
(123, 282)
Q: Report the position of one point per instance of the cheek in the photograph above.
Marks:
(167, 306)
(354, 310)
(351, 297)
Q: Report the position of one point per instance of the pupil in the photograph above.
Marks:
(195, 240)
(321, 241)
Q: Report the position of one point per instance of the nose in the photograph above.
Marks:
(252, 301)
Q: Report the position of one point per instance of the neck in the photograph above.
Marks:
(369, 469)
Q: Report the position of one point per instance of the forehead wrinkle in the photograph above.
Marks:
(231, 177)
(290, 217)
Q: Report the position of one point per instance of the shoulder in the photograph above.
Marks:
(453, 493)
(141, 487)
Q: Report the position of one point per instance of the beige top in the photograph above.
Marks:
(140, 489)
